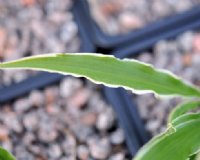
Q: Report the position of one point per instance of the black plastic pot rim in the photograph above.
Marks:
(86, 43)
(167, 24)
(137, 48)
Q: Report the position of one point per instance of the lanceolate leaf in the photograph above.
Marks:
(179, 145)
(5, 155)
(183, 108)
(108, 70)
(185, 118)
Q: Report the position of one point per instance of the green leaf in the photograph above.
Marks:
(130, 74)
(5, 155)
(178, 145)
(185, 118)
(183, 108)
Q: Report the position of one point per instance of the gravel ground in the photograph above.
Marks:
(68, 121)
(182, 57)
(122, 16)
(31, 27)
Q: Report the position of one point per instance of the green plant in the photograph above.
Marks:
(181, 141)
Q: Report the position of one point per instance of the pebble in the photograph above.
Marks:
(83, 152)
(22, 154)
(4, 133)
(110, 7)
(146, 57)
(35, 149)
(196, 60)
(47, 135)
(69, 146)
(159, 9)
(27, 2)
(28, 138)
(54, 151)
(30, 121)
(185, 41)
(69, 86)
(3, 36)
(187, 59)
(53, 109)
(100, 149)
(22, 105)
(96, 103)
(196, 43)
(19, 76)
(129, 21)
(51, 95)
(36, 98)
(89, 119)
(68, 32)
(157, 112)
(80, 98)
(12, 122)
(188, 73)
(82, 132)
(153, 125)
(117, 137)
(105, 120)
(184, 6)
(118, 156)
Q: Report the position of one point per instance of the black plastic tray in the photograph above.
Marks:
(86, 43)
(164, 25)
(146, 44)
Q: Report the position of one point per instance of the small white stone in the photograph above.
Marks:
(36, 98)
(117, 137)
(83, 152)
(21, 105)
(118, 156)
(55, 151)
(106, 119)
(100, 149)
(68, 86)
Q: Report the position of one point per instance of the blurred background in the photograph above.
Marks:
(51, 117)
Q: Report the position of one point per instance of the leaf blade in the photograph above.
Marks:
(185, 118)
(130, 74)
(5, 155)
(183, 108)
(179, 145)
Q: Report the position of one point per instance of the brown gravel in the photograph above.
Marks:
(57, 127)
